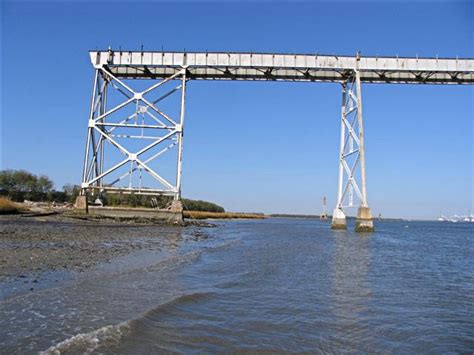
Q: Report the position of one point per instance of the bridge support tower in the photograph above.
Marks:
(138, 136)
(352, 178)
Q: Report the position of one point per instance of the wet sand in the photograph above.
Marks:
(36, 252)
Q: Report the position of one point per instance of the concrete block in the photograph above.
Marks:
(81, 203)
(176, 206)
(364, 222)
(338, 220)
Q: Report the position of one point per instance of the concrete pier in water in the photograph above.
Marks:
(338, 220)
(364, 222)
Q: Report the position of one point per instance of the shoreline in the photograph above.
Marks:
(42, 251)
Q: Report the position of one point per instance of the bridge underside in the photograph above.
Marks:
(129, 134)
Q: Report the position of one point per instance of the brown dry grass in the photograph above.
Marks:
(219, 215)
(9, 207)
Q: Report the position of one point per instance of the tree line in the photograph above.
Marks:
(160, 201)
(21, 185)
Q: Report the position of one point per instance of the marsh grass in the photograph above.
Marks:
(7, 206)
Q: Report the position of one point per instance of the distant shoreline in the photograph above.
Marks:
(221, 215)
(309, 216)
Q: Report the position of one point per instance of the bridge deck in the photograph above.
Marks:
(285, 67)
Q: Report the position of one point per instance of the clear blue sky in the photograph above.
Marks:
(418, 138)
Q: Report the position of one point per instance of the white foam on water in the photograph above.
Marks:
(110, 335)
(86, 343)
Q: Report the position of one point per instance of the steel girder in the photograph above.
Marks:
(286, 67)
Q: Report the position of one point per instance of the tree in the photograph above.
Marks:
(44, 184)
(72, 191)
(199, 205)
(21, 184)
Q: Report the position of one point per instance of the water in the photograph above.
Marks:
(276, 285)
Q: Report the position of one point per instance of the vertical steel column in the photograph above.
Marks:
(364, 221)
(341, 149)
(180, 136)
(338, 217)
(360, 123)
(89, 129)
(103, 109)
(97, 141)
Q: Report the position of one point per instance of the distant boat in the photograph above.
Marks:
(454, 219)
(469, 218)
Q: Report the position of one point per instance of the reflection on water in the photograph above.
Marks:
(351, 289)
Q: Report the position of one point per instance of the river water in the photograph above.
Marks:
(275, 285)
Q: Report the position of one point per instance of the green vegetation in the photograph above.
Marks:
(71, 191)
(132, 200)
(20, 185)
(199, 205)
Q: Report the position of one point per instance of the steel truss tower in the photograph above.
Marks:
(352, 177)
(107, 127)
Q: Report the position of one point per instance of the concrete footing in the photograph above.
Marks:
(176, 206)
(364, 221)
(338, 219)
(81, 203)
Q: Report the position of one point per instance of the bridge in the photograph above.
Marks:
(137, 115)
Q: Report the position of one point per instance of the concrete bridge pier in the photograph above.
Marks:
(338, 219)
(364, 222)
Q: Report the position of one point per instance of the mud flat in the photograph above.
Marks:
(38, 252)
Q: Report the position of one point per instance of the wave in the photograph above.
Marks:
(88, 342)
(111, 335)
(175, 303)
